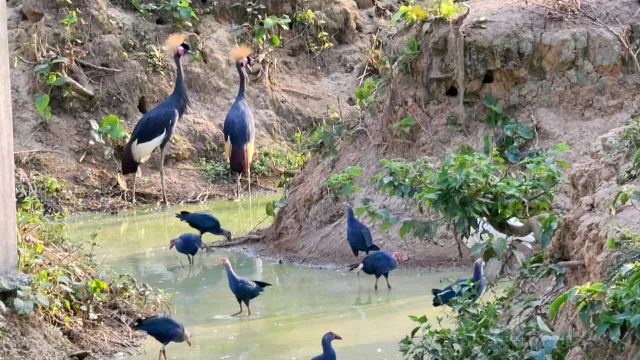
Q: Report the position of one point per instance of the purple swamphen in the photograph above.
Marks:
(328, 353)
(156, 126)
(358, 235)
(379, 263)
(187, 244)
(239, 127)
(243, 289)
(475, 285)
(164, 329)
(203, 222)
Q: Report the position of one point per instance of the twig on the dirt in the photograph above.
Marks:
(235, 242)
(27, 61)
(96, 66)
(45, 150)
(33, 133)
(299, 93)
(427, 129)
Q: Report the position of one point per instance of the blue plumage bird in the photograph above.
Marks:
(204, 223)
(379, 263)
(187, 244)
(328, 352)
(239, 127)
(165, 330)
(156, 126)
(243, 289)
(358, 235)
(475, 285)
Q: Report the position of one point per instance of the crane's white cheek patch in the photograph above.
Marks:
(142, 152)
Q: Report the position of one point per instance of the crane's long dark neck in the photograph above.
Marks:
(180, 89)
(349, 213)
(230, 274)
(242, 81)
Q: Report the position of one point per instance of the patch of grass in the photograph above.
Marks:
(214, 169)
(69, 291)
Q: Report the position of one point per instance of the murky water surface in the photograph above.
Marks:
(288, 319)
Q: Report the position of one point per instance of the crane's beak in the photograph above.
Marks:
(190, 52)
(337, 337)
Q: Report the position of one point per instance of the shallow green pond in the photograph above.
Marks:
(288, 319)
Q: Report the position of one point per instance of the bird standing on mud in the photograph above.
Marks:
(165, 330)
(466, 287)
(358, 235)
(239, 127)
(204, 223)
(379, 263)
(156, 126)
(187, 244)
(243, 289)
(328, 353)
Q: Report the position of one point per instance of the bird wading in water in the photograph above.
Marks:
(187, 244)
(165, 330)
(156, 126)
(204, 223)
(239, 127)
(328, 352)
(466, 287)
(243, 289)
(379, 263)
(358, 234)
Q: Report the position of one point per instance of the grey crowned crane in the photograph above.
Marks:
(156, 126)
(239, 127)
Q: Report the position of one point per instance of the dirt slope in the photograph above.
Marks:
(572, 80)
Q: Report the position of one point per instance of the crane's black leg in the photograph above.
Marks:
(248, 308)
(249, 181)
(386, 277)
(164, 352)
(164, 193)
(375, 286)
(239, 312)
(160, 354)
(238, 185)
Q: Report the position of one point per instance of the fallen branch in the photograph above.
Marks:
(237, 241)
(43, 150)
(97, 67)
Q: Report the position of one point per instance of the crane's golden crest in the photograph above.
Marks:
(240, 52)
(172, 43)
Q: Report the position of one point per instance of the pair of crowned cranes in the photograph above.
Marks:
(156, 126)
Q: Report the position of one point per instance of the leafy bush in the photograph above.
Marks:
(468, 186)
(511, 327)
(311, 27)
(419, 11)
(49, 70)
(611, 309)
(366, 94)
(67, 290)
(181, 11)
(403, 126)
(109, 133)
(512, 135)
(213, 169)
(342, 183)
(267, 29)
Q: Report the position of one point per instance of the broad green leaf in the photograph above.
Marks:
(403, 9)
(61, 81)
(556, 304)
(499, 245)
(42, 102)
(42, 300)
(526, 132)
(270, 210)
(267, 23)
(635, 320)
(406, 227)
(542, 326)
